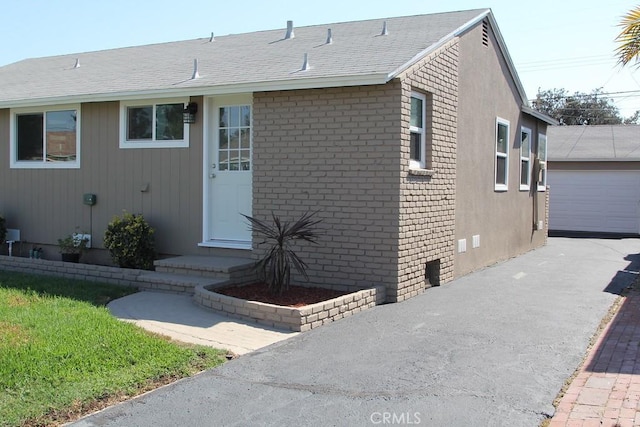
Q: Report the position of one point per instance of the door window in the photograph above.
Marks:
(234, 150)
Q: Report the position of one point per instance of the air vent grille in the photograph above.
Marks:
(485, 33)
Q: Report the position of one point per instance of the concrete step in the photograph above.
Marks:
(220, 267)
(176, 283)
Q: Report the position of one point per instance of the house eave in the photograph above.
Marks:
(538, 115)
(206, 90)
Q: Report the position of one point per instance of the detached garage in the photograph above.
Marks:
(594, 177)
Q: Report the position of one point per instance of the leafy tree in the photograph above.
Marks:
(580, 108)
(629, 38)
(634, 119)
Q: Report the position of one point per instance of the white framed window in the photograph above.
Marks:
(418, 135)
(156, 123)
(502, 155)
(542, 161)
(525, 158)
(45, 137)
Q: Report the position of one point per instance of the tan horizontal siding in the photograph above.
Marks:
(46, 204)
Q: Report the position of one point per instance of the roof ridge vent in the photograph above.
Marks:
(385, 31)
(211, 39)
(77, 63)
(196, 74)
(329, 37)
(289, 34)
(305, 62)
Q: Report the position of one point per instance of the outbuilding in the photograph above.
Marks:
(594, 176)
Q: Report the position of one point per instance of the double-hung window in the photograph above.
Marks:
(502, 155)
(525, 158)
(542, 161)
(153, 124)
(418, 146)
(45, 138)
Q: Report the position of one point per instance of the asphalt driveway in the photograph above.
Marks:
(492, 348)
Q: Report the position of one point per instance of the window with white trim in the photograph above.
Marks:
(153, 124)
(542, 161)
(525, 158)
(502, 155)
(45, 137)
(418, 135)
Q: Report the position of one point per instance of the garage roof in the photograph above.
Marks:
(594, 143)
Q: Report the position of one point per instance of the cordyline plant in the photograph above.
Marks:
(275, 267)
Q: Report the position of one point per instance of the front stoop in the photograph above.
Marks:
(218, 267)
(183, 274)
(178, 283)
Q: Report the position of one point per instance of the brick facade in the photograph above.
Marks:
(344, 152)
(427, 202)
(335, 151)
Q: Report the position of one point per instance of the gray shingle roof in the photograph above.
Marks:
(594, 143)
(234, 63)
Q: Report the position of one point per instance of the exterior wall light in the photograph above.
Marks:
(189, 113)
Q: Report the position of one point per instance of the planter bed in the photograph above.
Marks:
(298, 319)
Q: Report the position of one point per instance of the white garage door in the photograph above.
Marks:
(600, 201)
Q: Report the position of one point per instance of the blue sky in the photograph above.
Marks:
(554, 43)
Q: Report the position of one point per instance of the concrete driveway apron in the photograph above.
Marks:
(492, 348)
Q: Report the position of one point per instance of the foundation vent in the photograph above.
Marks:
(462, 246)
(432, 273)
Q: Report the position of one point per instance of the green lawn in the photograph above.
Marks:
(63, 354)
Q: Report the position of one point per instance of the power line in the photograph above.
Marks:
(552, 64)
(617, 94)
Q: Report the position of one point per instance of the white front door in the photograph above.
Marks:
(229, 173)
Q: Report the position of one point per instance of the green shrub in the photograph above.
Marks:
(3, 229)
(130, 241)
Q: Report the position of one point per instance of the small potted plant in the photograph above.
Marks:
(72, 246)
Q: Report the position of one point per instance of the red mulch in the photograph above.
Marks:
(295, 296)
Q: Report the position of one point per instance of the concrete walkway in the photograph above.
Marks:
(493, 348)
(606, 391)
(177, 317)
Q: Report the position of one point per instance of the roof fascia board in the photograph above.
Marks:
(308, 83)
(437, 45)
(508, 60)
(538, 115)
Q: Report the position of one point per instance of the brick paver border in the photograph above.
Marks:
(606, 390)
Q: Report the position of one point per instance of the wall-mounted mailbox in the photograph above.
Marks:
(89, 199)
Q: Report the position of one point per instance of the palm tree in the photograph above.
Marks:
(629, 38)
